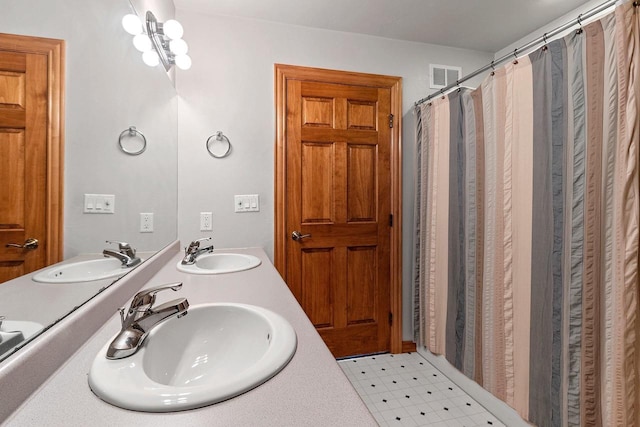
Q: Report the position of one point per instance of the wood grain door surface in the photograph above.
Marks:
(30, 142)
(338, 187)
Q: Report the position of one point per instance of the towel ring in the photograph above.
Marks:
(225, 145)
(132, 131)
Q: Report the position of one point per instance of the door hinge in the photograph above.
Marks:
(390, 120)
(390, 319)
(391, 220)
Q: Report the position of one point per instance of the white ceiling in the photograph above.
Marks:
(485, 25)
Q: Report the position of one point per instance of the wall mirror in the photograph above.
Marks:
(107, 89)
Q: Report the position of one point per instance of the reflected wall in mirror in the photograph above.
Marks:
(107, 90)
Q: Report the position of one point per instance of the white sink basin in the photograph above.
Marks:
(215, 352)
(218, 263)
(14, 332)
(82, 271)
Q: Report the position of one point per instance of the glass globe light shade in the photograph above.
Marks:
(151, 58)
(131, 24)
(142, 42)
(183, 62)
(172, 29)
(178, 47)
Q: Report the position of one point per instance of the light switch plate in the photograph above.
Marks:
(246, 203)
(99, 203)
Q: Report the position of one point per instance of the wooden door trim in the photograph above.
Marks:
(291, 72)
(54, 51)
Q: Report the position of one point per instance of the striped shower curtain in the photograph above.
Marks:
(527, 211)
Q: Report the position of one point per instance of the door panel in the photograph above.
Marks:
(362, 188)
(317, 290)
(362, 286)
(318, 187)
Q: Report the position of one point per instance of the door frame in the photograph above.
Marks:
(283, 73)
(54, 51)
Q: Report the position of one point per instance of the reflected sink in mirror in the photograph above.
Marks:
(83, 271)
(219, 263)
(14, 332)
(214, 353)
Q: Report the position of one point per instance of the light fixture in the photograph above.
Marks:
(132, 24)
(162, 43)
(142, 42)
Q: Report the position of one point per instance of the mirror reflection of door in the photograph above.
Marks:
(31, 141)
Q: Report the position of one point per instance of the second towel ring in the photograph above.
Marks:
(225, 145)
(132, 131)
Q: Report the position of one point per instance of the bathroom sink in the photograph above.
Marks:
(82, 271)
(14, 332)
(214, 353)
(218, 263)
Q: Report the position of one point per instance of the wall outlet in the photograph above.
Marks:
(206, 220)
(146, 222)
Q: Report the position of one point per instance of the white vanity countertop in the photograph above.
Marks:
(310, 391)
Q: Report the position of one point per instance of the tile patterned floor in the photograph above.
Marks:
(406, 390)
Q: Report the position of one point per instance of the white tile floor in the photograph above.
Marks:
(406, 390)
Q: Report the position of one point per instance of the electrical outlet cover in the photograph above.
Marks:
(146, 222)
(206, 220)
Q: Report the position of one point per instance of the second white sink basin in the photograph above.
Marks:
(215, 352)
(82, 271)
(219, 263)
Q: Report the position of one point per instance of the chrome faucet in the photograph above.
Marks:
(142, 317)
(126, 254)
(193, 251)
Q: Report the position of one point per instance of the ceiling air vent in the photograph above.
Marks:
(441, 76)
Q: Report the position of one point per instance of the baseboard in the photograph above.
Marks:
(408, 346)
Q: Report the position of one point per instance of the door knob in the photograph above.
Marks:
(297, 236)
(28, 244)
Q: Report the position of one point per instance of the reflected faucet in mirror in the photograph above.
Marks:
(126, 254)
(142, 317)
(192, 251)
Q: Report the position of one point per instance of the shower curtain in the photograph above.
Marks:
(526, 258)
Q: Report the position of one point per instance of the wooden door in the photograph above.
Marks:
(30, 153)
(339, 189)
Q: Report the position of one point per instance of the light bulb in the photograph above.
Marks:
(172, 29)
(151, 58)
(183, 62)
(178, 47)
(131, 24)
(142, 42)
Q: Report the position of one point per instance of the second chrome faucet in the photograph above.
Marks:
(192, 251)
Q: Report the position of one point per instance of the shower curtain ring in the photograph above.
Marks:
(493, 68)
(544, 37)
(579, 30)
(515, 56)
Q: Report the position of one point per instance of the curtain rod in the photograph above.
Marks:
(578, 21)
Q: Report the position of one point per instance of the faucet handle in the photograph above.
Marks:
(121, 245)
(147, 297)
(124, 248)
(195, 244)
